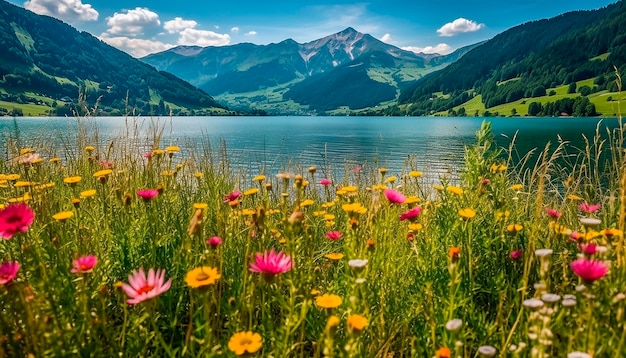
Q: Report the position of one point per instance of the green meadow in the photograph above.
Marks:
(109, 251)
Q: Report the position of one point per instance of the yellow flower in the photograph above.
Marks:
(574, 197)
(306, 202)
(21, 184)
(382, 170)
(10, 177)
(350, 189)
(412, 200)
(202, 276)
(259, 178)
(415, 226)
(102, 173)
(198, 175)
(200, 205)
(516, 187)
(248, 212)
(331, 324)
(90, 148)
(168, 173)
(173, 149)
(314, 292)
(391, 179)
(63, 215)
(379, 187)
(415, 174)
(55, 160)
(319, 213)
(611, 232)
(251, 191)
(498, 168)
(26, 151)
(88, 193)
(158, 152)
(454, 190)
(328, 301)
(514, 228)
(335, 256)
(356, 322)
(329, 217)
(328, 205)
(438, 187)
(245, 342)
(71, 180)
(500, 215)
(467, 213)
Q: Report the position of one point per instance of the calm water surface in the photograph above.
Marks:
(334, 144)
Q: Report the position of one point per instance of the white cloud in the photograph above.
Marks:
(134, 46)
(72, 11)
(459, 26)
(132, 22)
(178, 25)
(386, 38)
(442, 49)
(250, 33)
(193, 37)
(235, 30)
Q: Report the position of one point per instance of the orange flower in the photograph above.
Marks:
(454, 253)
(328, 301)
(356, 322)
(443, 352)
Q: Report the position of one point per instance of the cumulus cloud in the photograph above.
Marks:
(191, 37)
(251, 33)
(459, 26)
(442, 49)
(235, 30)
(386, 38)
(72, 11)
(132, 22)
(134, 46)
(178, 25)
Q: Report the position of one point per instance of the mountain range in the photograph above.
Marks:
(313, 77)
(44, 60)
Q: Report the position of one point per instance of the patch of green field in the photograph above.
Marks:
(28, 109)
(509, 80)
(23, 37)
(64, 80)
(602, 57)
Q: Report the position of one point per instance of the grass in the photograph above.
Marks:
(29, 109)
(599, 99)
(409, 267)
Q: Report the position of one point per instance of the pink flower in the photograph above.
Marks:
(589, 270)
(147, 155)
(232, 196)
(84, 264)
(553, 213)
(142, 288)
(215, 241)
(8, 271)
(411, 214)
(575, 236)
(394, 197)
(333, 235)
(15, 218)
(326, 182)
(485, 182)
(147, 194)
(588, 249)
(585, 207)
(106, 164)
(357, 169)
(271, 263)
(514, 255)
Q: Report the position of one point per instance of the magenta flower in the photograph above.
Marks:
(147, 194)
(326, 182)
(215, 241)
(142, 288)
(588, 249)
(553, 213)
(333, 235)
(588, 208)
(589, 270)
(394, 197)
(84, 264)
(106, 164)
(8, 271)
(15, 218)
(271, 263)
(412, 214)
(234, 195)
(147, 155)
(515, 255)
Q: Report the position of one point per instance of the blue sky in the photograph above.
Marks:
(140, 27)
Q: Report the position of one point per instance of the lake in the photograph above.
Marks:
(434, 145)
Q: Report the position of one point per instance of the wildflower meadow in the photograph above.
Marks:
(108, 251)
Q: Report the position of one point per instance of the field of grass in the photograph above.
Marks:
(513, 259)
(599, 99)
(29, 109)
